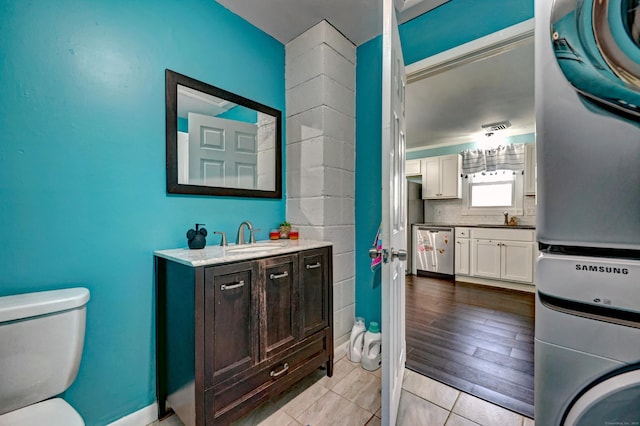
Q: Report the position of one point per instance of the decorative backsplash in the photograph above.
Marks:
(449, 211)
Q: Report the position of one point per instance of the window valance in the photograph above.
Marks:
(504, 157)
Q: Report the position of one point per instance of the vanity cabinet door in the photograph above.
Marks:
(314, 279)
(230, 316)
(280, 319)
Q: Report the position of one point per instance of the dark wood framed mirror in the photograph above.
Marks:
(220, 143)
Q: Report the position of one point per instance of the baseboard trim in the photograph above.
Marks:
(528, 288)
(142, 417)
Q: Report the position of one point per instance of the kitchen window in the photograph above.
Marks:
(492, 193)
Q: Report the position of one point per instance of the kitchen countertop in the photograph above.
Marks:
(484, 225)
(214, 255)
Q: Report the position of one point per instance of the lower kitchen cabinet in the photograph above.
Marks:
(230, 336)
(485, 258)
(499, 254)
(502, 260)
(462, 251)
(516, 261)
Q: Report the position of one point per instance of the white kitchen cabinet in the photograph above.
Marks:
(462, 256)
(441, 177)
(413, 167)
(485, 261)
(462, 251)
(516, 261)
(530, 171)
(502, 254)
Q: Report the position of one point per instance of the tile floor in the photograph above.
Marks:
(352, 397)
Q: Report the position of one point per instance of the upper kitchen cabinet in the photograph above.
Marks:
(441, 177)
(413, 167)
(530, 171)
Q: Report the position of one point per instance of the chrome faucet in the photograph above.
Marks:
(506, 217)
(240, 239)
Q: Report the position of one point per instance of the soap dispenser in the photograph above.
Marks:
(196, 237)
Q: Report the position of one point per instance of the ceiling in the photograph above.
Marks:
(444, 109)
(451, 107)
(357, 20)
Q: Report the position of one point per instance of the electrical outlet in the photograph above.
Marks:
(439, 212)
(531, 211)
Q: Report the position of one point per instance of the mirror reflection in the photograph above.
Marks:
(222, 144)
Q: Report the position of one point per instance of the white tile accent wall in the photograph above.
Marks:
(320, 117)
(448, 211)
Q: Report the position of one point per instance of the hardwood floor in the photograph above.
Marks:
(475, 338)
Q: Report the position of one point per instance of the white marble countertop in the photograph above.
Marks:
(213, 255)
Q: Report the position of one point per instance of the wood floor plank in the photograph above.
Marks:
(522, 392)
(515, 363)
(504, 349)
(478, 339)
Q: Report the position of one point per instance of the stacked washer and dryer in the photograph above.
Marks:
(587, 336)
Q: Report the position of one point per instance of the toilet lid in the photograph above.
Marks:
(52, 412)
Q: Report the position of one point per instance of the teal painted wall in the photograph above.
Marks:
(452, 24)
(454, 149)
(368, 212)
(82, 164)
(457, 22)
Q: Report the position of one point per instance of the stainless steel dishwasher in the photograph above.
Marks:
(433, 251)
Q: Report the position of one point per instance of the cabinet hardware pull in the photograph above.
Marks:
(285, 367)
(317, 265)
(239, 284)
(282, 275)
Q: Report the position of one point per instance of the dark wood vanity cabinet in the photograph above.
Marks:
(231, 336)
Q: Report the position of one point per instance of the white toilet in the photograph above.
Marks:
(41, 339)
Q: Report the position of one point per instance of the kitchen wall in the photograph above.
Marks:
(450, 25)
(450, 211)
(82, 164)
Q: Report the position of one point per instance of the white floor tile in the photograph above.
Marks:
(429, 389)
(332, 409)
(456, 420)
(362, 388)
(485, 413)
(416, 411)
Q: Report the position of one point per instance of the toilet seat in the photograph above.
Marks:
(52, 412)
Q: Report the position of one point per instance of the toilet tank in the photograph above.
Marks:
(41, 340)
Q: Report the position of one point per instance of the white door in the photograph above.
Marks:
(222, 152)
(393, 215)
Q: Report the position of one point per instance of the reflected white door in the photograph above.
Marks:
(393, 216)
(222, 152)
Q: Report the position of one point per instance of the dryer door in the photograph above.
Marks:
(597, 45)
(612, 400)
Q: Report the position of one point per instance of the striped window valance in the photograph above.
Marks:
(504, 157)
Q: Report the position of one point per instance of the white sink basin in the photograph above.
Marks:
(249, 248)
